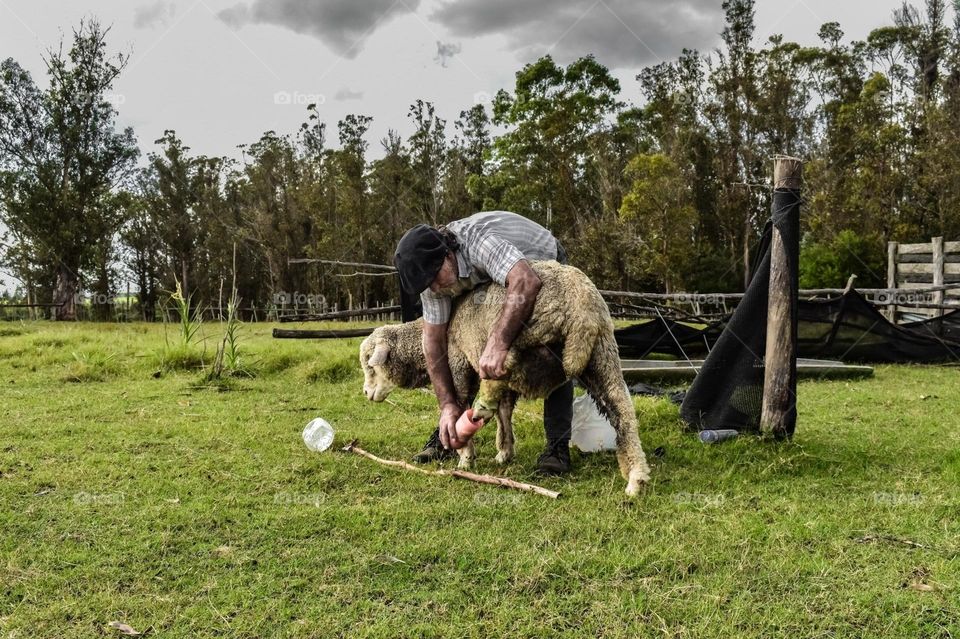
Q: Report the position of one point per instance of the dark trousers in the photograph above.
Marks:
(558, 406)
(558, 414)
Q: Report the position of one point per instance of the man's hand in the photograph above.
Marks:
(492, 360)
(449, 414)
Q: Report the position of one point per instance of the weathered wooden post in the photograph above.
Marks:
(778, 415)
(938, 261)
(892, 249)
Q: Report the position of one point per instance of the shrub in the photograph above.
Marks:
(828, 264)
(178, 357)
(93, 366)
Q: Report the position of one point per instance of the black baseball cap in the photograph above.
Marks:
(419, 256)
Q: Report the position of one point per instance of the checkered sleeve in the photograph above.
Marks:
(496, 256)
(436, 308)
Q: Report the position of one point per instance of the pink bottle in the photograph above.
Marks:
(466, 427)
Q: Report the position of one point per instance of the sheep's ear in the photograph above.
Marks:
(379, 354)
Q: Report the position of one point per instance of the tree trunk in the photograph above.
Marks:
(65, 294)
(102, 304)
(746, 253)
(184, 285)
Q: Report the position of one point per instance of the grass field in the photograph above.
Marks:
(131, 491)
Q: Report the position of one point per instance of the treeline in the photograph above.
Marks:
(671, 195)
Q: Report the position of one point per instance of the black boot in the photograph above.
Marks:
(554, 460)
(433, 450)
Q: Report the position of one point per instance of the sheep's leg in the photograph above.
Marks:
(578, 347)
(604, 382)
(488, 399)
(468, 455)
(505, 428)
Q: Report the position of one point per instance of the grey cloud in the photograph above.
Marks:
(445, 51)
(348, 94)
(235, 16)
(622, 33)
(343, 25)
(151, 15)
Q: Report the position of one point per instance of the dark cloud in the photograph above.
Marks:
(445, 51)
(343, 25)
(346, 93)
(151, 15)
(621, 33)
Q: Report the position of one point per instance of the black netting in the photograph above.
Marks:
(847, 328)
(655, 336)
(851, 329)
(946, 327)
(728, 390)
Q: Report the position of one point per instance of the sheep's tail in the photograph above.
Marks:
(603, 380)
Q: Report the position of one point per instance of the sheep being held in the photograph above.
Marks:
(569, 335)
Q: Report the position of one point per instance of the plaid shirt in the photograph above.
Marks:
(491, 243)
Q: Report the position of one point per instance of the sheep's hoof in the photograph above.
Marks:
(466, 463)
(636, 483)
(504, 457)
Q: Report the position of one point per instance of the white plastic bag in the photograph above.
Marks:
(591, 431)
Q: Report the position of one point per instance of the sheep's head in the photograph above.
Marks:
(374, 353)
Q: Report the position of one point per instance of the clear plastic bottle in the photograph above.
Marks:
(318, 435)
(717, 436)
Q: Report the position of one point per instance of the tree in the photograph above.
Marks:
(732, 116)
(541, 160)
(428, 149)
(143, 256)
(659, 210)
(172, 193)
(470, 153)
(61, 155)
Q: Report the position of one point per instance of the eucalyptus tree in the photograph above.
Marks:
(61, 154)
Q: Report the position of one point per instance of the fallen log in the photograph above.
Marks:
(285, 333)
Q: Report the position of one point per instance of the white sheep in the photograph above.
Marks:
(569, 334)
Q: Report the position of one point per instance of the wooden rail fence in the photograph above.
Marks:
(913, 267)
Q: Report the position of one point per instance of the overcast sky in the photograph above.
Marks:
(220, 72)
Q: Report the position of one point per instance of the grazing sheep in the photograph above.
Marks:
(569, 334)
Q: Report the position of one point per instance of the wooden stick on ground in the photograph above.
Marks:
(459, 474)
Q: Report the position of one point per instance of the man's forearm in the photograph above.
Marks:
(439, 371)
(517, 309)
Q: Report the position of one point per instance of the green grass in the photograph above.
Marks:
(195, 510)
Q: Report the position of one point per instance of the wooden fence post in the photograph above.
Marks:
(892, 279)
(778, 415)
(938, 261)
